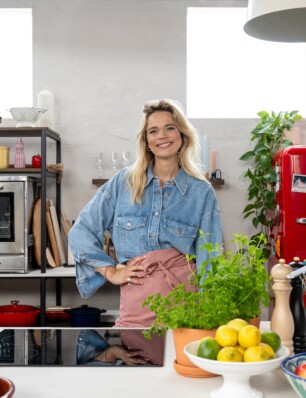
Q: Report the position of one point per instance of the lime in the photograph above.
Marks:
(249, 336)
(229, 354)
(208, 348)
(226, 336)
(237, 324)
(272, 339)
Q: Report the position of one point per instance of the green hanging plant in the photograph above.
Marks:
(269, 138)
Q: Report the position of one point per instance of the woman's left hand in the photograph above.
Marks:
(131, 273)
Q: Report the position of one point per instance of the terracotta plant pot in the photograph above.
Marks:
(182, 364)
(255, 322)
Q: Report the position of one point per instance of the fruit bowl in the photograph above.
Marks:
(288, 366)
(26, 116)
(236, 375)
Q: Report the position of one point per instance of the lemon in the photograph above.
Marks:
(268, 349)
(237, 324)
(249, 336)
(240, 349)
(272, 339)
(208, 348)
(229, 354)
(255, 354)
(226, 336)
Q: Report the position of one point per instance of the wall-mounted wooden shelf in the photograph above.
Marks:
(98, 182)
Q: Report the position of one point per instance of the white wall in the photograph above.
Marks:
(103, 60)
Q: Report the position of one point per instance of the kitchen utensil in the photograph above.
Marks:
(7, 388)
(84, 316)
(288, 367)
(236, 375)
(18, 315)
(26, 116)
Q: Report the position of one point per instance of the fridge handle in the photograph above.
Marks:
(301, 220)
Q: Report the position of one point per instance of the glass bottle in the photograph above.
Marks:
(19, 158)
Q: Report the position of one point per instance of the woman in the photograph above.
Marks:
(154, 212)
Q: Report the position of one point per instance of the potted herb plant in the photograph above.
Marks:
(268, 137)
(231, 285)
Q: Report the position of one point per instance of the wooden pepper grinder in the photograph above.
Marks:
(282, 320)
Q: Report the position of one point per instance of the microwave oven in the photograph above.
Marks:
(17, 195)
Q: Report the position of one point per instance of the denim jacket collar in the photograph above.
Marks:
(181, 179)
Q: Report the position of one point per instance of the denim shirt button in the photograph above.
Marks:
(156, 213)
(128, 224)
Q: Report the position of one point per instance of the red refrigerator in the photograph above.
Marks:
(289, 230)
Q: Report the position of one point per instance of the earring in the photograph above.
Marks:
(148, 149)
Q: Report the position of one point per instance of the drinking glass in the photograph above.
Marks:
(125, 159)
(99, 164)
(114, 161)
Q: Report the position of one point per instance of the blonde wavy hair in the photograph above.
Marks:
(188, 157)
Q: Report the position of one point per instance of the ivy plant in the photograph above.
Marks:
(268, 137)
(230, 285)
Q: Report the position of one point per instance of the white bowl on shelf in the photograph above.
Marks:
(26, 116)
(236, 375)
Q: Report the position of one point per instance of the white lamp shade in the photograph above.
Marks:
(277, 20)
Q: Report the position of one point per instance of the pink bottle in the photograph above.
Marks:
(19, 159)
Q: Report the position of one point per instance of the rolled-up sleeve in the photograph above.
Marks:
(86, 240)
(210, 225)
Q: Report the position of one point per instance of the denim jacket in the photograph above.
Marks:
(168, 217)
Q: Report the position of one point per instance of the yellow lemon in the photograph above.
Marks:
(208, 348)
(226, 336)
(272, 339)
(268, 349)
(249, 336)
(237, 324)
(240, 349)
(255, 354)
(229, 354)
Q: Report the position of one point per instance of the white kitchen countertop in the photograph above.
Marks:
(126, 382)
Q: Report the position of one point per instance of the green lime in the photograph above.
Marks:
(272, 339)
(208, 348)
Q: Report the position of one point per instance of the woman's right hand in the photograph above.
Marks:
(131, 273)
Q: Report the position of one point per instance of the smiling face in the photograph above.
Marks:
(163, 137)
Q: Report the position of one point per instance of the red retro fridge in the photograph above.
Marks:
(289, 230)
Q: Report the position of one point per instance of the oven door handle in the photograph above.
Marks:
(301, 220)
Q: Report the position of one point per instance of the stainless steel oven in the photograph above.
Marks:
(17, 194)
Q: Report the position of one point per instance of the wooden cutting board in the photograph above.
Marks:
(52, 237)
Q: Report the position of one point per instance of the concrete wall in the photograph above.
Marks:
(103, 60)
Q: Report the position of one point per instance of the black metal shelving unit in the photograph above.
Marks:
(44, 133)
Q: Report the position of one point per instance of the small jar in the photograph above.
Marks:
(4, 157)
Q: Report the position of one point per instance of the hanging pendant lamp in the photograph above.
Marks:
(277, 20)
